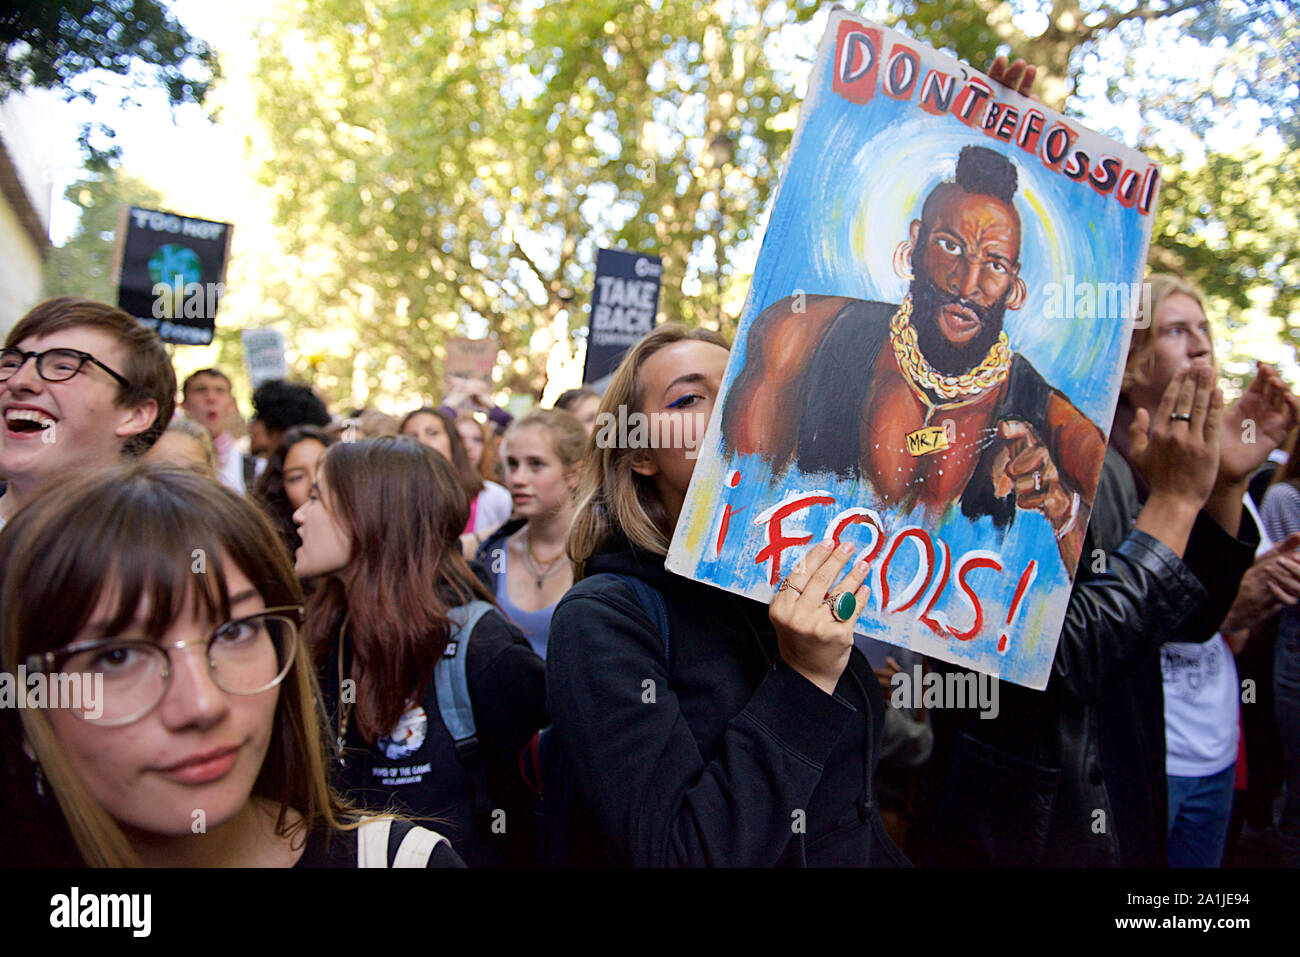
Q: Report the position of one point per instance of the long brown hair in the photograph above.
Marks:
(404, 509)
(489, 467)
(612, 497)
(470, 481)
(140, 529)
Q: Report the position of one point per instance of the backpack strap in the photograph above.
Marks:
(454, 705)
(372, 842)
(652, 600)
(417, 846)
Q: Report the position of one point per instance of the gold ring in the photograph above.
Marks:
(786, 584)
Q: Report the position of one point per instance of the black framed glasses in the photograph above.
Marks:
(53, 365)
(128, 677)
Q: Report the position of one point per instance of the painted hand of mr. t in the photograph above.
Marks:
(1023, 465)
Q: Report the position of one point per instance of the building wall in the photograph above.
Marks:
(27, 142)
(20, 269)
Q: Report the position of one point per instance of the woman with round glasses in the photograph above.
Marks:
(178, 724)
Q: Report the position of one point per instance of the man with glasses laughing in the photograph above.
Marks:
(82, 384)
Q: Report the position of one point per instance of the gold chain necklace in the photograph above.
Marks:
(989, 373)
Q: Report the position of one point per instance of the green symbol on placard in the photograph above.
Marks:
(172, 261)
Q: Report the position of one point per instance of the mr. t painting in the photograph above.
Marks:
(929, 359)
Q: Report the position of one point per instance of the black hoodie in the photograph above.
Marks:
(725, 756)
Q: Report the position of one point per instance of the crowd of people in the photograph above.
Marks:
(451, 639)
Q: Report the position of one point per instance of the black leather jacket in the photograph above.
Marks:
(1074, 775)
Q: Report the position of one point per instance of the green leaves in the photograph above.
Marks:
(83, 265)
(451, 168)
(462, 166)
(60, 45)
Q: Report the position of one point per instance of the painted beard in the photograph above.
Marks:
(944, 357)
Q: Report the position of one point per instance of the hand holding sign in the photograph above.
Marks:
(813, 639)
(1019, 76)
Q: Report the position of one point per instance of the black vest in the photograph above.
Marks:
(838, 386)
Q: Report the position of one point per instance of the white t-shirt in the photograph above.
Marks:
(1202, 697)
(231, 471)
(493, 509)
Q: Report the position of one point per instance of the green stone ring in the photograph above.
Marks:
(843, 604)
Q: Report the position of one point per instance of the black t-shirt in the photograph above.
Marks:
(339, 848)
(415, 770)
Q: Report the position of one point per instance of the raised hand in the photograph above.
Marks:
(1256, 424)
(1178, 450)
(1271, 583)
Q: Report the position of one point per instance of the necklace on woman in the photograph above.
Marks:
(539, 569)
(345, 700)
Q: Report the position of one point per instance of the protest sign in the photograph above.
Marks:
(264, 355)
(468, 369)
(929, 357)
(471, 359)
(171, 272)
(624, 306)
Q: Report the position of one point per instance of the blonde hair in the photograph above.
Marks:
(611, 496)
(1143, 345)
(568, 437)
(186, 426)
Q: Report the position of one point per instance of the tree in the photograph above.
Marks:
(83, 265)
(462, 169)
(1231, 225)
(455, 172)
(1256, 46)
(1229, 222)
(56, 45)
